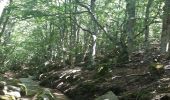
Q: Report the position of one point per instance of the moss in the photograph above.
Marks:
(156, 69)
(102, 70)
(23, 89)
(7, 97)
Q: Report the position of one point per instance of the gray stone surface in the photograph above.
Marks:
(108, 96)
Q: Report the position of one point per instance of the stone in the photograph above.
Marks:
(2, 85)
(7, 97)
(14, 93)
(108, 96)
(167, 67)
(163, 96)
(2, 92)
(14, 88)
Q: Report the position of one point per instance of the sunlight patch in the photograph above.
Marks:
(167, 47)
(3, 3)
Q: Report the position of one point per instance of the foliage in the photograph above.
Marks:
(43, 33)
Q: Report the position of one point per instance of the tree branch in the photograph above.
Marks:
(96, 21)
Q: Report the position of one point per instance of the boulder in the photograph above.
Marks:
(7, 97)
(163, 96)
(14, 93)
(108, 96)
(14, 88)
(2, 85)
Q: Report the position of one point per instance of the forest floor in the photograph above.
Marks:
(131, 81)
(127, 83)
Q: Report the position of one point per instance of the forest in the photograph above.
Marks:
(84, 49)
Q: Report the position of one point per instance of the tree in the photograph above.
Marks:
(165, 36)
(73, 32)
(4, 15)
(130, 24)
(94, 31)
(146, 25)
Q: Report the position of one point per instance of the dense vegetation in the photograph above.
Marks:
(105, 39)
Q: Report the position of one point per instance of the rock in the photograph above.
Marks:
(2, 85)
(13, 88)
(23, 89)
(166, 97)
(156, 69)
(7, 97)
(167, 67)
(58, 95)
(108, 96)
(46, 95)
(2, 92)
(14, 93)
(163, 96)
(29, 86)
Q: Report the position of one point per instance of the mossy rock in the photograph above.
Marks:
(108, 96)
(24, 90)
(7, 97)
(102, 70)
(2, 85)
(29, 86)
(156, 69)
(46, 94)
(32, 88)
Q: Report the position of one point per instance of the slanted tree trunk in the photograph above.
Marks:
(3, 12)
(165, 36)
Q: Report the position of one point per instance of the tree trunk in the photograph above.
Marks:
(94, 35)
(146, 25)
(4, 19)
(130, 10)
(165, 36)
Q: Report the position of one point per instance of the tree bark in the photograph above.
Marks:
(94, 31)
(146, 25)
(165, 36)
(130, 24)
(3, 12)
